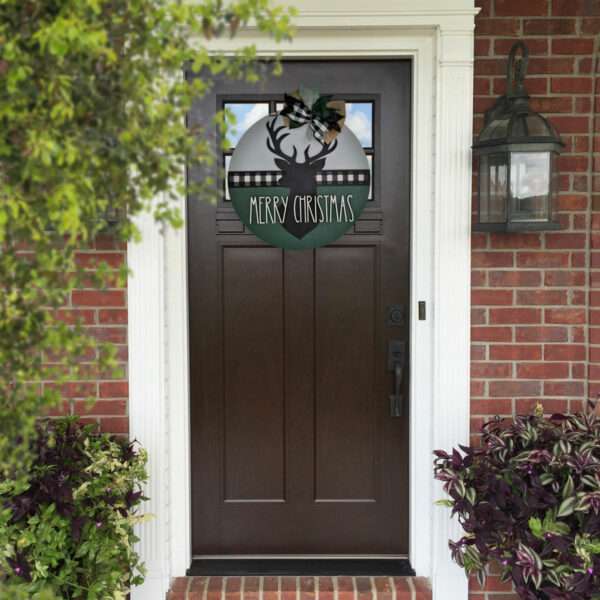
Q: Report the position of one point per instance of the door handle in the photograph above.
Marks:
(396, 351)
(396, 399)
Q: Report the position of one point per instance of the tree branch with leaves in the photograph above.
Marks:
(92, 124)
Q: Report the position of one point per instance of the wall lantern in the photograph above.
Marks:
(517, 151)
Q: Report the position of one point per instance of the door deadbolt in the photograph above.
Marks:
(395, 315)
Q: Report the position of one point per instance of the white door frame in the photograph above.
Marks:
(438, 36)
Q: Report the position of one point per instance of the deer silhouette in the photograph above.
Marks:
(298, 177)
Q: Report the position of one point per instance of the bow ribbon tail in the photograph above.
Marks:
(319, 129)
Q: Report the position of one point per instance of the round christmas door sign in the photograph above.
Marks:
(299, 179)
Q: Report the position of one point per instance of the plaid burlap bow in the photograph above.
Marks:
(324, 116)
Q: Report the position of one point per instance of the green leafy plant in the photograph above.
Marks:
(529, 499)
(92, 125)
(92, 133)
(67, 528)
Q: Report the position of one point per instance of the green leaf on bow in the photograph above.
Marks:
(309, 96)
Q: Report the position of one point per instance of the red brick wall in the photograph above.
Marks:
(536, 314)
(104, 313)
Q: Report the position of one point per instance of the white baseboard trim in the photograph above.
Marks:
(154, 588)
(450, 586)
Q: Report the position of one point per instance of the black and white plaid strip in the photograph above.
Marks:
(237, 179)
(343, 177)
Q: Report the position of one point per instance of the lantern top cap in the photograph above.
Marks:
(516, 69)
(511, 123)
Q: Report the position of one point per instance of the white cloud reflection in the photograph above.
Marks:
(359, 119)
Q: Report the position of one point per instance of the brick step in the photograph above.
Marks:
(299, 588)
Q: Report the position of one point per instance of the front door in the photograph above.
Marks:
(297, 447)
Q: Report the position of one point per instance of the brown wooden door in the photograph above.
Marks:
(294, 449)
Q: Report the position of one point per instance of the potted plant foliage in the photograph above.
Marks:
(528, 498)
(67, 528)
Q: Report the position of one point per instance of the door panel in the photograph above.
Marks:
(345, 349)
(294, 449)
(253, 361)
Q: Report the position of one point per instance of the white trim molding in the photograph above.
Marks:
(147, 396)
(452, 283)
(437, 35)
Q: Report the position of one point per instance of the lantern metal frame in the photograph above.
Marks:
(506, 131)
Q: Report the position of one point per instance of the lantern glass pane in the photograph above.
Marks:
(530, 186)
(493, 187)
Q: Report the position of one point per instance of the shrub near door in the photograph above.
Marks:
(69, 527)
(529, 499)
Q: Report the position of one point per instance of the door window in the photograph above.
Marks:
(359, 119)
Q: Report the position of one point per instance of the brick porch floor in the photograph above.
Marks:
(299, 588)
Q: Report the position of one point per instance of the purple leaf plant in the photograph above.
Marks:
(528, 499)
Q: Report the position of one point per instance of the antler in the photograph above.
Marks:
(274, 141)
(324, 151)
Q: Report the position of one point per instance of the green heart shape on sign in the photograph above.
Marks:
(293, 191)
